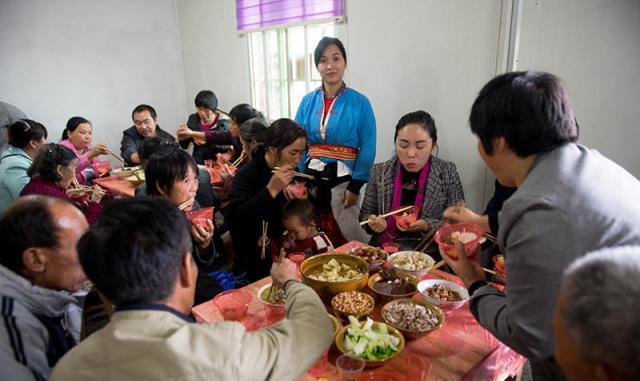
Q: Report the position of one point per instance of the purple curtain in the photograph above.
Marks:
(252, 14)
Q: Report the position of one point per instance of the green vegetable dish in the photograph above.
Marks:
(372, 341)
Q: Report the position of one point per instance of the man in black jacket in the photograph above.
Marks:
(145, 125)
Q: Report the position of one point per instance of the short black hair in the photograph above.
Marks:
(282, 133)
(27, 223)
(421, 118)
(254, 129)
(72, 124)
(165, 167)
(324, 43)
(134, 252)
(529, 109)
(151, 145)
(45, 164)
(243, 112)
(207, 99)
(22, 131)
(142, 108)
(303, 209)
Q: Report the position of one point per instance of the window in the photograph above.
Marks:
(282, 67)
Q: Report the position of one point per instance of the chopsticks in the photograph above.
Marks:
(297, 174)
(117, 157)
(490, 237)
(185, 204)
(239, 159)
(399, 210)
(265, 228)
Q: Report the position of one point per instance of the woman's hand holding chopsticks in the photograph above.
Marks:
(377, 223)
(280, 179)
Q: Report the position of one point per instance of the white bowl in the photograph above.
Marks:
(266, 286)
(446, 306)
(416, 273)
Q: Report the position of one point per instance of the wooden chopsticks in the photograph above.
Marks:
(239, 159)
(265, 228)
(117, 157)
(297, 174)
(185, 204)
(399, 210)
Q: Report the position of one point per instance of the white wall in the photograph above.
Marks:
(97, 59)
(215, 56)
(594, 46)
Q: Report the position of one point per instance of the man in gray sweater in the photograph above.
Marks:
(570, 200)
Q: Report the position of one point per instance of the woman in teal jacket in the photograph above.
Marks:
(25, 138)
(341, 129)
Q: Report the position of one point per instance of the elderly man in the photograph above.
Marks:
(596, 317)
(147, 270)
(570, 200)
(145, 125)
(39, 267)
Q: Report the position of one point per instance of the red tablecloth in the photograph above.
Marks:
(460, 350)
(116, 186)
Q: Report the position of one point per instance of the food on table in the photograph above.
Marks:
(396, 286)
(443, 293)
(370, 341)
(274, 295)
(411, 316)
(333, 271)
(461, 236)
(412, 260)
(370, 254)
(352, 302)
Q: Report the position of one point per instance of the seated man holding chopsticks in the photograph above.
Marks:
(148, 272)
(570, 200)
(413, 177)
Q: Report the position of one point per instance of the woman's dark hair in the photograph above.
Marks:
(421, 118)
(142, 108)
(134, 253)
(324, 43)
(283, 133)
(303, 209)
(207, 99)
(72, 124)
(165, 167)
(25, 130)
(27, 223)
(254, 129)
(529, 109)
(150, 146)
(47, 160)
(243, 112)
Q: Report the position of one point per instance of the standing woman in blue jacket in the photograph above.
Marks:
(25, 139)
(341, 129)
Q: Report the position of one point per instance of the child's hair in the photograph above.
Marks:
(300, 208)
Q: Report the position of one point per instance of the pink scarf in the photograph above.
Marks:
(390, 234)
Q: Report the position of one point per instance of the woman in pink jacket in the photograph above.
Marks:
(77, 136)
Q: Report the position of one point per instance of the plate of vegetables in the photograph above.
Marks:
(370, 341)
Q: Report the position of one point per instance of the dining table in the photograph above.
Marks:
(459, 350)
(116, 186)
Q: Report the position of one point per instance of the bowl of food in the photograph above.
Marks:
(404, 220)
(233, 304)
(124, 172)
(199, 217)
(330, 274)
(336, 324)
(297, 188)
(389, 285)
(273, 299)
(470, 235)
(373, 342)
(414, 318)
(445, 294)
(374, 256)
(414, 263)
(352, 303)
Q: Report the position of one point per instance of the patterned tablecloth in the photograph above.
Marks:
(460, 350)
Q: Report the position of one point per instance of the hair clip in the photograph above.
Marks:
(26, 126)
